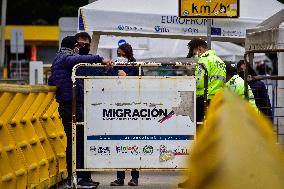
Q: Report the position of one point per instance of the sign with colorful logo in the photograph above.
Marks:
(209, 8)
(144, 123)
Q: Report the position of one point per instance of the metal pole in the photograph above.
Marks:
(74, 127)
(3, 25)
(209, 22)
(17, 57)
(246, 59)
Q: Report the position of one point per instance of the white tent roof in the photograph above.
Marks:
(163, 48)
(158, 18)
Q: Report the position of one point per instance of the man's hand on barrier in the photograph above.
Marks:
(107, 62)
(121, 73)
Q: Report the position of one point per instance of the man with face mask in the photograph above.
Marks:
(61, 71)
(84, 42)
(236, 84)
(198, 50)
(216, 72)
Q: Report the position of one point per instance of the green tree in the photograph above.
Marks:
(281, 1)
(41, 12)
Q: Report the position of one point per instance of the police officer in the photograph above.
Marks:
(198, 50)
(216, 68)
(236, 84)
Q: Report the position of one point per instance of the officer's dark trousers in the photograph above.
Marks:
(134, 174)
(200, 108)
(65, 112)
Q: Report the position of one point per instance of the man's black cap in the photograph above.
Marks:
(69, 42)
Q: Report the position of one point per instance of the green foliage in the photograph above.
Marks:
(281, 1)
(41, 12)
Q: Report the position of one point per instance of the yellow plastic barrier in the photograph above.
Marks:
(54, 135)
(31, 121)
(28, 154)
(236, 149)
(15, 155)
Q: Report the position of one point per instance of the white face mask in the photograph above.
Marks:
(196, 58)
(121, 59)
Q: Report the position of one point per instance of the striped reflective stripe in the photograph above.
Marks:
(217, 77)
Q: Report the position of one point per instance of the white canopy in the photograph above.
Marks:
(158, 18)
(167, 48)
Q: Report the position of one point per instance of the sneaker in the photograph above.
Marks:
(133, 182)
(87, 183)
(118, 182)
(184, 184)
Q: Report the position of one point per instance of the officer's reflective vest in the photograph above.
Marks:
(216, 72)
(236, 85)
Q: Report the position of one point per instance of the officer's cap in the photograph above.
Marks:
(194, 43)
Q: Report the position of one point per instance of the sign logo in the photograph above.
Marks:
(121, 42)
(120, 27)
(148, 150)
(209, 9)
(159, 29)
(167, 117)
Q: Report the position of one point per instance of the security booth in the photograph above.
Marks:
(268, 37)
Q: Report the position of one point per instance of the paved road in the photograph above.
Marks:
(148, 179)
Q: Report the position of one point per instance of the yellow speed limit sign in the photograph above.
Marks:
(209, 8)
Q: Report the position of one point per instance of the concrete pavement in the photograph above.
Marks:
(148, 179)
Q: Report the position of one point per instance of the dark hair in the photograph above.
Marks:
(231, 69)
(250, 69)
(127, 49)
(69, 42)
(83, 35)
(197, 42)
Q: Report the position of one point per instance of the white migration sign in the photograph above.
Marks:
(139, 123)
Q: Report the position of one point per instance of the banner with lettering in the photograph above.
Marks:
(160, 17)
(139, 123)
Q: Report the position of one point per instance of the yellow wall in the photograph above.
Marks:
(36, 33)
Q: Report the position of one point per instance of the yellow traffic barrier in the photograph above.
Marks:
(53, 134)
(54, 115)
(28, 154)
(21, 141)
(7, 175)
(26, 135)
(15, 155)
(31, 121)
(236, 149)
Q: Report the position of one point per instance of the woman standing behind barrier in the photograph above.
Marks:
(61, 71)
(125, 54)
